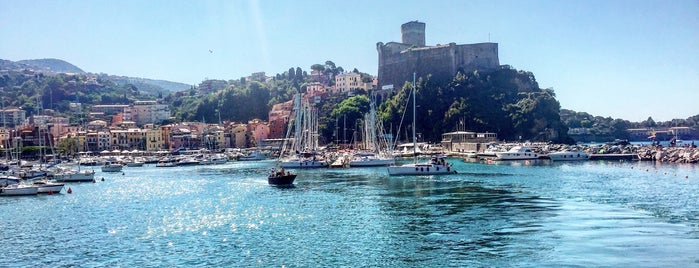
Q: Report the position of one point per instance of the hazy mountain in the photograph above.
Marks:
(52, 65)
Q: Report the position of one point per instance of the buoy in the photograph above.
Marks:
(50, 192)
(686, 177)
(122, 173)
(70, 191)
(93, 180)
(102, 178)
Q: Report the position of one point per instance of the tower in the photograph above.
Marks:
(413, 33)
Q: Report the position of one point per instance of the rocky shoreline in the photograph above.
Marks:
(682, 154)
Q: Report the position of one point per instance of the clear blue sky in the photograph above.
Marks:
(623, 59)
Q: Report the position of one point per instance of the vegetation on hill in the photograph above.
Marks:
(56, 92)
(508, 102)
(52, 65)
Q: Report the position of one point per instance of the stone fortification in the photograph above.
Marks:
(398, 61)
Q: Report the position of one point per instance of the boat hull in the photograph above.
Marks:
(18, 190)
(82, 176)
(112, 168)
(420, 169)
(47, 188)
(281, 179)
(569, 156)
(304, 164)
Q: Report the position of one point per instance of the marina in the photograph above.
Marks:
(508, 213)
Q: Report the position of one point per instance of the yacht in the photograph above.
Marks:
(569, 156)
(111, 167)
(18, 189)
(370, 160)
(517, 153)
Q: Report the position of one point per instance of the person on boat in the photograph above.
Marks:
(281, 171)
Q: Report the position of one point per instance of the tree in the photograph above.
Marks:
(318, 67)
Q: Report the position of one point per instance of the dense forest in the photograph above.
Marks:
(507, 101)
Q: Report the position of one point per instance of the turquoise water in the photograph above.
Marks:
(534, 213)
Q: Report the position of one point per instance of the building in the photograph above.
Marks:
(147, 112)
(347, 83)
(398, 61)
(108, 109)
(154, 139)
(466, 141)
(239, 135)
(279, 119)
(13, 117)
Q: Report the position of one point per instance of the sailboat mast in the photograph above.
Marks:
(414, 139)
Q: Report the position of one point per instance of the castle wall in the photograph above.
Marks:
(397, 64)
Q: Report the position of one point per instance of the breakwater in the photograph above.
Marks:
(684, 154)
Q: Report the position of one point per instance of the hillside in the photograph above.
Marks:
(52, 66)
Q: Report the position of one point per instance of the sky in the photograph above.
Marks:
(622, 59)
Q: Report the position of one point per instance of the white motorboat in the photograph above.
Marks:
(214, 160)
(112, 167)
(370, 160)
(48, 187)
(18, 189)
(569, 156)
(304, 162)
(69, 175)
(253, 156)
(517, 153)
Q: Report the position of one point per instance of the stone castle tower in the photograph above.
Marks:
(413, 33)
(398, 61)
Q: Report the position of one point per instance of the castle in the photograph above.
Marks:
(398, 61)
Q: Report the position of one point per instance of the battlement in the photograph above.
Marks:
(398, 61)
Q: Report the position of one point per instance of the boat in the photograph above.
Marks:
(216, 159)
(167, 162)
(281, 178)
(135, 162)
(370, 160)
(48, 187)
(436, 166)
(112, 167)
(517, 153)
(187, 161)
(69, 175)
(7, 180)
(305, 139)
(253, 156)
(374, 156)
(18, 189)
(569, 156)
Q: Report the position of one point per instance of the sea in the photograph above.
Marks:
(498, 214)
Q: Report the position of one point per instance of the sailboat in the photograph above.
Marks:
(374, 156)
(278, 175)
(305, 139)
(437, 164)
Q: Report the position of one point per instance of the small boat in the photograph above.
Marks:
(370, 160)
(281, 178)
(48, 187)
(517, 153)
(436, 166)
(111, 167)
(135, 162)
(69, 175)
(18, 189)
(253, 156)
(187, 161)
(569, 156)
